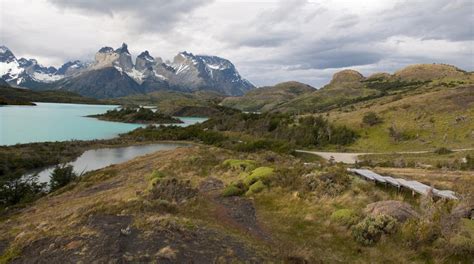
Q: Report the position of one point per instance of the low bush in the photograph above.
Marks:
(371, 119)
(370, 229)
(234, 189)
(154, 178)
(346, 217)
(244, 165)
(333, 181)
(257, 187)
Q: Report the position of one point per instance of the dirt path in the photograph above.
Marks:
(351, 158)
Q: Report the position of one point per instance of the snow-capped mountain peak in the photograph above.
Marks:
(114, 68)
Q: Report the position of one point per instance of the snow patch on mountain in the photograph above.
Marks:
(10, 70)
(44, 77)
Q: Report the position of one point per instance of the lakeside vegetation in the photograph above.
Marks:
(134, 115)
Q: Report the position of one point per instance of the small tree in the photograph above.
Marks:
(61, 176)
(371, 119)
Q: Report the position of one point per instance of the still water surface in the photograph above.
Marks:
(101, 158)
(61, 122)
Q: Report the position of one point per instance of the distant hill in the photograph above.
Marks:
(428, 72)
(349, 86)
(267, 98)
(10, 95)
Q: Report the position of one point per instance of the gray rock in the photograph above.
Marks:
(396, 209)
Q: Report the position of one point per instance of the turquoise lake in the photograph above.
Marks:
(61, 122)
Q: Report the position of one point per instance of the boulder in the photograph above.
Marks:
(396, 209)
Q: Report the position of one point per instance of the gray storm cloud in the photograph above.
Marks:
(156, 15)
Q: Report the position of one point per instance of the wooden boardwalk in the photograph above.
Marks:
(414, 186)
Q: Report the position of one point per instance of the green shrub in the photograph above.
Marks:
(346, 217)
(154, 178)
(234, 189)
(370, 229)
(443, 151)
(245, 165)
(371, 119)
(257, 187)
(16, 189)
(261, 173)
(61, 176)
(334, 181)
(420, 232)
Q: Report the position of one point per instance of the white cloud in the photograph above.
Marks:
(268, 40)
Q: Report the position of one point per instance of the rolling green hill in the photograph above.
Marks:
(10, 95)
(348, 87)
(266, 98)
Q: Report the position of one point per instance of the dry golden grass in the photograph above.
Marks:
(435, 117)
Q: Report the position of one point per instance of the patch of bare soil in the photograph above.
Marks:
(240, 213)
(117, 242)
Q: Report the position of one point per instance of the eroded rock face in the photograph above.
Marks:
(396, 209)
(173, 190)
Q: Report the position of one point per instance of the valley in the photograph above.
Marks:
(247, 187)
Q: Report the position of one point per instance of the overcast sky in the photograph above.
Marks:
(269, 41)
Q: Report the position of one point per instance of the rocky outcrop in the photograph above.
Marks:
(396, 209)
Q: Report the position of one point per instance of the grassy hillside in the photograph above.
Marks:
(10, 94)
(349, 87)
(266, 98)
(345, 85)
(424, 119)
(164, 207)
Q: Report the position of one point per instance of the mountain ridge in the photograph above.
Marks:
(186, 73)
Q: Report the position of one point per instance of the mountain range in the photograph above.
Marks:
(113, 74)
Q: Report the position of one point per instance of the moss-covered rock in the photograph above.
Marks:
(234, 189)
(257, 187)
(262, 173)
